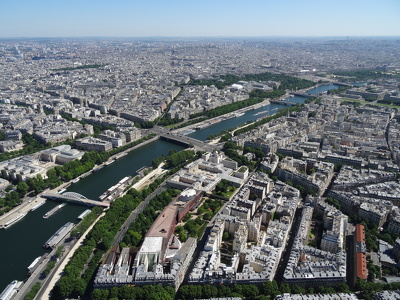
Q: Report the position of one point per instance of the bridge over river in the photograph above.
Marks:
(76, 198)
(183, 139)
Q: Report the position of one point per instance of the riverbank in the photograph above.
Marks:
(131, 149)
(17, 213)
(229, 115)
(44, 292)
(20, 211)
(150, 177)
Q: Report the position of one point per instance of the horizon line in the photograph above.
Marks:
(205, 36)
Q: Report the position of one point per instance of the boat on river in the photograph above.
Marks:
(54, 210)
(84, 214)
(59, 235)
(14, 220)
(98, 169)
(38, 205)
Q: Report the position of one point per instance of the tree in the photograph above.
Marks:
(224, 291)
(22, 188)
(285, 288)
(209, 291)
(334, 202)
(99, 294)
(49, 267)
(270, 288)
(207, 216)
(225, 236)
(59, 251)
(80, 286)
(343, 288)
(250, 291)
(295, 289)
(12, 199)
(159, 296)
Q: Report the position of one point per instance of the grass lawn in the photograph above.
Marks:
(228, 193)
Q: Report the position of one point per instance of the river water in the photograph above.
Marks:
(250, 115)
(322, 88)
(22, 242)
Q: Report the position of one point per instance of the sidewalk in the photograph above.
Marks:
(43, 294)
(138, 185)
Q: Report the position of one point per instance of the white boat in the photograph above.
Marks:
(61, 191)
(32, 267)
(188, 131)
(103, 196)
(35, 264)
(38, 205)
(121, 155)
(59, 235)
(125, 179)
(84, 214)
(54, 210)
(14, 220)
(98, 168)
(261, 112)
(11, 289)
(87, 174)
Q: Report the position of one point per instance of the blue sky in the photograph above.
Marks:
(130, 18)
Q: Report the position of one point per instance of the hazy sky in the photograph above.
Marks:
(130, 18)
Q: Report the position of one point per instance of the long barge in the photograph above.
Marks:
(11, 289)
(115, 190)
(54, 210)
(14, 220)
(59, 235)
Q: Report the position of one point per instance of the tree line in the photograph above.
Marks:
(174, 159)
(286, 82)
(31, 145)
(363, 75)
(263, 291)
(64, 173)
(81, 268)
(93, 66)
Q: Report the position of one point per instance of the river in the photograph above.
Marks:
(250, 115)
(22, 242)
(321, 89)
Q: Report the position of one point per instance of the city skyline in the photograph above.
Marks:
(199, 19)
